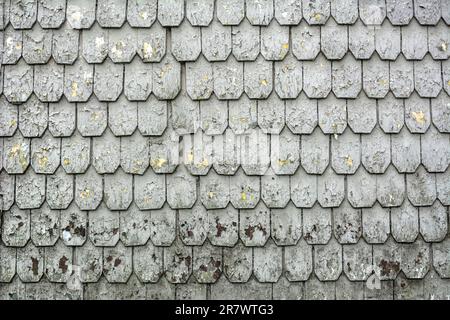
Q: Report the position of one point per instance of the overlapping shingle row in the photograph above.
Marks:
(224, 149)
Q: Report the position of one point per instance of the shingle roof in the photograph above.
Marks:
(224, 149)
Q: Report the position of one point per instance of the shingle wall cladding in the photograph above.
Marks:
(224, 149)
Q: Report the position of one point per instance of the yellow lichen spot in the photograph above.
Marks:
(18, 46)
(317, 16)
(143, 15)
(76, 16)
(190, 157)
(66, 162)
(158, 163)
(211, 194)
(204, 163)
(85, 194)
(448, 82)
(74, 88)
(282, 162)
(419, 116)
(444, 46)
(243, 196)
(382, 81)
(263, 82)
(205, 77)
(285, 46)
(13, 122)
(43, 161)
(349, 161)
(243, 120)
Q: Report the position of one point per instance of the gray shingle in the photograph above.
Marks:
(59, 189)
(401, 78)
(45, 154)
(199, 79)
(274, 41)
(286, 225)
(16, 227)
(421, 187)
(318, 290)
(228, 79)
(301, 115)
(152, 116)
(391, 114)
(148, 263)
(414, 41)
(347, 224)
(438, 41)
(405, 222)
(186, 42)
(417, 114)
(171, 13)
(376, 77)
(288, 12)
(334, 40)
(65, 45)
(122, 117)
(118, 190)
(285, 155)
(18, 82)
(193, 225)
(117, 263)
(433, 222)
(58, 262)
(134, 225)
(30, 190)
(345, 11)
(259, 12)
(134, 153)
(230, 12)
(242, 115)
(386, 260)
(106, 153)
(317, 77)
(416, 259)
(372, 12)
(427, 77)
(305, 41)
(33, 117)
(405, 151)
(361, 189)
(226, 153)
(445, 6)
(51, 13)
(8, 118)
(90, 260)
(267, 262)
(104, 227)
(298, 261)
(376, 151)
(390, 188)
(441, 258)
(214, 191)
(357, 261)
(244, 190)
(375, 224)
(216, 42)
(303, 189)
(361, 40)
(446, 76)
(346, 77)
(88, 190)
(22, 14)
(317, 225)
(108, 81)
(285, 290)
(151, 43)
(362, 114)
(178, 263)
(435, 149)
(164, 152)
(94, 44)
(288, 77)
(12, 46)
(166, 78)
(78, 80)
(271, 115)
(328, 261)
(349, 290)
(16, 154)
(330, 189)
(74, 226)
(122, 44)
(7, 263)
(254, 225)
(237, 263)
(443, 188)
(316, 12)
(141, 13)
(387, 41)
(213, 116)
(7, 187)
(149, 190)
(245, 41)
(275, 190)
(181, 189)
(332, 115)
(427, 12)
(207, 264)
(30, 263)
(185, 115)
(37, 45)
(49, 82)
(92, 118)
(399, 12)
(199, 13)
(197, 153)
(435, 288)
(111, 13)
(223, 227)
(258, 82)
(81, 13)
(314, 153)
